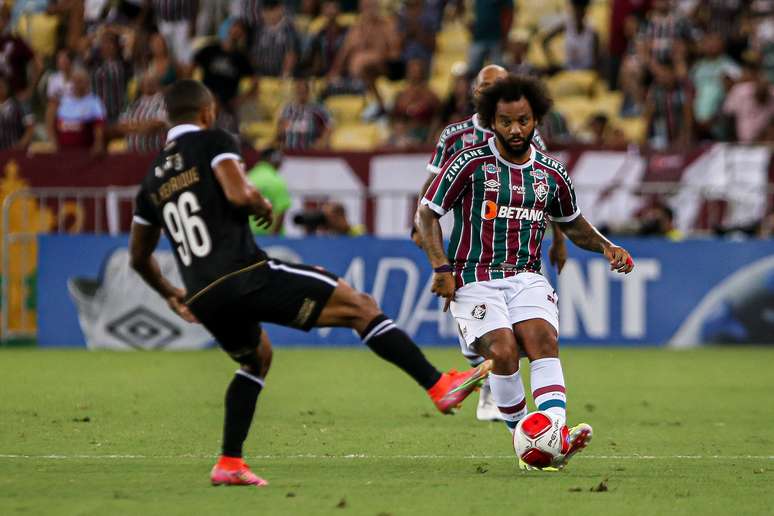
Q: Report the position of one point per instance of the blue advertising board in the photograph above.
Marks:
(681, 293)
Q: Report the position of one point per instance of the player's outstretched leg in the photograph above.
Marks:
(486, 410)
(241, 398)
(349, 308)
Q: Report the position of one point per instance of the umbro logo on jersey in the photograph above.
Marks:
(491, 185)
(490, 210)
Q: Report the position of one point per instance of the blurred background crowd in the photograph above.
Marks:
(371, 74)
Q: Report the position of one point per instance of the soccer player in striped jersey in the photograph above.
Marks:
(463, 135)
(502, 192)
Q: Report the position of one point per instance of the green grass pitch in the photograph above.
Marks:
(341, 432)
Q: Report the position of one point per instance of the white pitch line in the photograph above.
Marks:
(357, 456)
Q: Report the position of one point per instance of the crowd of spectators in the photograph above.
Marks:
(690, 70)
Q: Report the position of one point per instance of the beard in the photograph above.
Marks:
(516, 150)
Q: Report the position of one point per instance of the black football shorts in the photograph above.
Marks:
(273, 291)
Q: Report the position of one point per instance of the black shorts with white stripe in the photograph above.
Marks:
(271, 291)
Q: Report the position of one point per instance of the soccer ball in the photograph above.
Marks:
(540, 439)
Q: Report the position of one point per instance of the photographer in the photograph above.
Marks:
(330, 219)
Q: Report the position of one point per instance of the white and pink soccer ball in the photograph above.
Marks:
(541, 439)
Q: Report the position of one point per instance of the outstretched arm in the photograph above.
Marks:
(142, 242)
(240, 192)
(586, 236)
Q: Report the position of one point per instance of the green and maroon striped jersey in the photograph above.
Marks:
(463, 135)
(500, 209)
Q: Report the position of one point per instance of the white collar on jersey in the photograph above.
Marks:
(493, 146)
(180, 130)
(477, 124)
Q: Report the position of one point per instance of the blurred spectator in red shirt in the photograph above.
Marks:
(417, 104)
(160, 62)
(750, 104)
(17, 124)
(80, 117)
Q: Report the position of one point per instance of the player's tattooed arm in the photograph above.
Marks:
(431, 236)
(586, 236)
(142, 242)
(557, 253)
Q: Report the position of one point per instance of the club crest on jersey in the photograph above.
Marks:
(541, 190)
(491, 168)
(479, 312)
(469, 138)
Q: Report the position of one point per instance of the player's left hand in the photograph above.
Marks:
(177, 303)
(619, 258)
(557, 254)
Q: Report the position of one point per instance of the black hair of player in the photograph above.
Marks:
(510, 89)
(185, 99)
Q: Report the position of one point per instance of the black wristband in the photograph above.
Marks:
(444, 268)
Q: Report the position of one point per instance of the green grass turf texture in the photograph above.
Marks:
(341, 432)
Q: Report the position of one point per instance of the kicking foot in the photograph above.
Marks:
(453, 387)
(580, 437)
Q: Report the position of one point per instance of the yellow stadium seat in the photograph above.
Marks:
(441, 86)
(634, 128)
(576, 110)
(453, 39)
(39, 30)
(345, 108)
(389, 89)
(117, 146)
(356, 137)
(573, 82)
(253, 130)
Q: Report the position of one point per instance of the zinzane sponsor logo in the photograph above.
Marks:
(461, 161)
(490, 210)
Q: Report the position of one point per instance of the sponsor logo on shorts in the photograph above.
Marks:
(302, 318)
(553, 298)
(479, 312)
(490, 210)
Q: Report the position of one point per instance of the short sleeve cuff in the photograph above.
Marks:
(568, 218)
(430, 204)
(139, 220)
(433, 169)
(223, 157)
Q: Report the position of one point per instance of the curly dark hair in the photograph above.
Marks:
(513, 88)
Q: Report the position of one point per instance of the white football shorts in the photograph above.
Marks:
(484, 306)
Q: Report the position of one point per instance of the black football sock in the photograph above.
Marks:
(392, 344)
(241, 397)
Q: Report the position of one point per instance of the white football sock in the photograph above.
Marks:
(508, 394)
(547, 382)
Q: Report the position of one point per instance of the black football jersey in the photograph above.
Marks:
(209, 235)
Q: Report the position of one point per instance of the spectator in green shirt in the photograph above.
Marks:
(266, 178)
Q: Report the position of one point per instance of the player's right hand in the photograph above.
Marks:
(177, 303)
(262, 210)
(444, 285)
(620, 259)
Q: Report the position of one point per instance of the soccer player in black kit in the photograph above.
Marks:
(197, 193)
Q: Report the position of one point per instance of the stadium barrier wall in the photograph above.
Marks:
(681, 293)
